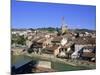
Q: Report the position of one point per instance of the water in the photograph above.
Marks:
(54, 65)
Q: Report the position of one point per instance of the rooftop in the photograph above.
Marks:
(85, 40)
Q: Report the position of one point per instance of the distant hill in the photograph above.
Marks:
(82, 30)
(55, 29)
(18, 29)
(22, 29)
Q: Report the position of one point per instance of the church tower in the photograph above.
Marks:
(63, 27)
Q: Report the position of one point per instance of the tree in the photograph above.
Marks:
(58, 31)
(18, 39)
(29, 50)
(31, 29)
(21, 40)
(14, 39)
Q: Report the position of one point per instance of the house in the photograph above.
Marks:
(88, 53)
(19, 32)
(60, 51)
(64, 41)
(36, 44)
(66, 50)
(57, 40)
(84, 41)
(31, 39)
(69, 35)
(51, 50)
(61, 47)
(43, 69)
(60, 40)
(46, 41)
(18, 50)
(81, 42)
(43, 66)
(36, 47)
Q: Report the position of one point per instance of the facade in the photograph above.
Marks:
(82, 42)
(35, 47)
(88, 53)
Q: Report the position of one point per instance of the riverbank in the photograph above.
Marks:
(52, 58)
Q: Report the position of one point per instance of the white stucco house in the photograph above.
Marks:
(82, 42)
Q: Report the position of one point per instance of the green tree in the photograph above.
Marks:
(29, 50)
(18, 39)
(21, 40)
(14, 39)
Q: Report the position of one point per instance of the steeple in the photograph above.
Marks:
(63, 26)
(63, 21)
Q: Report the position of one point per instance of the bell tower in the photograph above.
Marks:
(63, 26)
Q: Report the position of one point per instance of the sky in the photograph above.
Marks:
(39, 14)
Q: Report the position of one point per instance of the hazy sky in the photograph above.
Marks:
(37, 15)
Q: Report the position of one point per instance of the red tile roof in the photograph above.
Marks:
(85, 40)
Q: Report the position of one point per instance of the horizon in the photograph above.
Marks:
(55, 28)
(43, 15)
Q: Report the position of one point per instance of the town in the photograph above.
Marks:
(74, 47)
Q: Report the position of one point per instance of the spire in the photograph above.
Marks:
(63, 26)
(63, 21)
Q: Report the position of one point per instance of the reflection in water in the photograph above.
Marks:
(23, 64)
